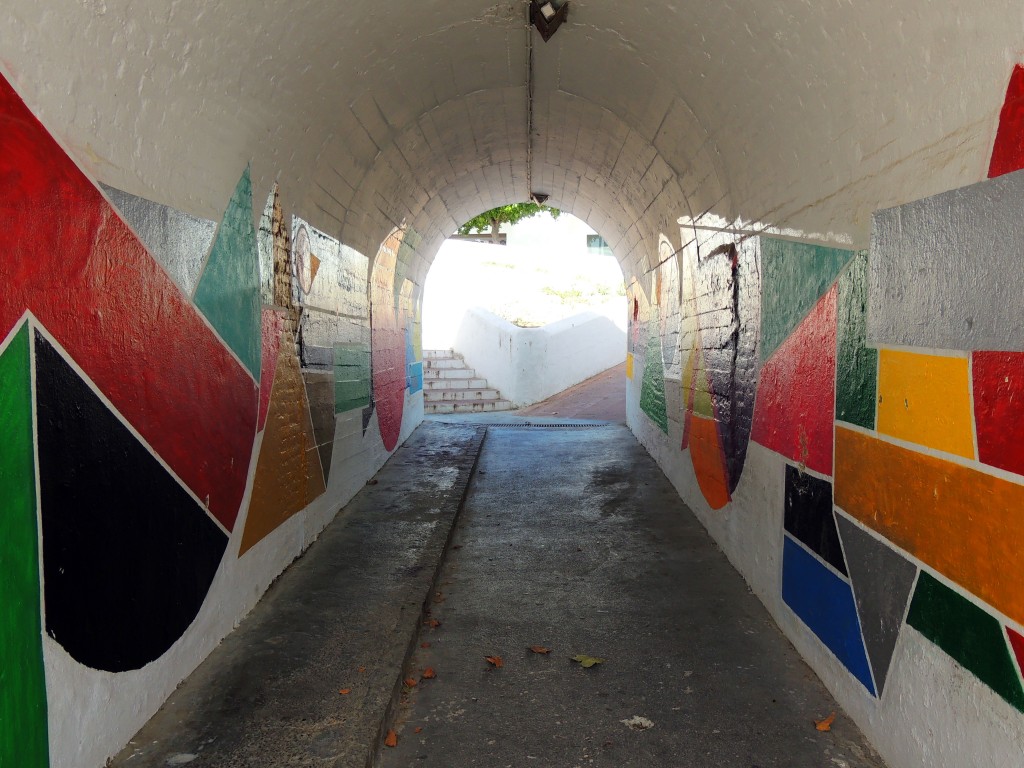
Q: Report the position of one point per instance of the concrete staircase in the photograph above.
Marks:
(451, 387)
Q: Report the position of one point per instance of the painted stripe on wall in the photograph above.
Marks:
(962, 522)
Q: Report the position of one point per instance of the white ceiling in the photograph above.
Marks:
(795, 115)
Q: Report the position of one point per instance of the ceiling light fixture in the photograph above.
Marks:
(548, 15)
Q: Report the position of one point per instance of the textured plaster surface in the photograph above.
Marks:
(419, 110)
(944, 270)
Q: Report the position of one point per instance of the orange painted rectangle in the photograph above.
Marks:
(967, 525)
(926, 399)
(629, 365)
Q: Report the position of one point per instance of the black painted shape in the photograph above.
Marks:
(809, 516)
(128, 555)
(729, 287)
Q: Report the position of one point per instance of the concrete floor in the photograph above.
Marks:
(573, 540)
(599, 397)
(568, 538)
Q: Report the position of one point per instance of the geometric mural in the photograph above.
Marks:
(1008, 147)
(794, 277)
(968, 634)
(273, 326)
(391, 296)
(180, 242)
(926, 399)
(329, 288)
(289, 474)
(652, 390)
(808, 516)
(856, 362)
(824, 602)
(721, 322)
(882, 581)
(228, 292)
(23, 726)
(128, 553)
(959, 520)
(998, 386)
(795, 409)
(97, 290)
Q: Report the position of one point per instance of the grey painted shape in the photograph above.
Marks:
(317, 357)
(945, 271)
(320, 391)
(882, 581)
(178, 240)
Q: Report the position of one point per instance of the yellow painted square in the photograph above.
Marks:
(926, 399)
(629, 365)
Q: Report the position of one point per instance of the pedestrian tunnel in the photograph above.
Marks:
(218, 225)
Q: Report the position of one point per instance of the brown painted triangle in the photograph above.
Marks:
(288, 472)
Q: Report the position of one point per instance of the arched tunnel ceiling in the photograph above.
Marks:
(799, 116)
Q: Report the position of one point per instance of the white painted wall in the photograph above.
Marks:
(520, 281)
(528, 365)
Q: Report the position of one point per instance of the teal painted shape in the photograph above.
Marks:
(229, 288)
(794, 277)
(23, 727)
(856, 363)
(652, 388)
(351, 377)
(968, 633)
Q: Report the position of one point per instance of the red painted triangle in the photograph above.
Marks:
(795, 410)
(1008, 149)
(1017, 643)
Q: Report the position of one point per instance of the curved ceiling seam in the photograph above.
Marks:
(714, 156)
(680, 173)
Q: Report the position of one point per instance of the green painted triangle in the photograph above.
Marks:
(229, 288)
(23, 728)
(652, 388)
(793, 277)
(968, 633)
(856, 363)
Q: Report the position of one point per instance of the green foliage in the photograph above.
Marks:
(505, 214)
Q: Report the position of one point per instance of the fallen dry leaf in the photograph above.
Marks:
(588, 661)
(429, 673)
(638, 723)
(826, 724)
(411, 682)
(392, 739)
(345, 691)
(433, 623)
(539, 649)
(424, 645)
(372, 482)
(496, 661)
(361, 669)
(418, 729)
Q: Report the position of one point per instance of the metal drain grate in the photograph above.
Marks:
(521, 425)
